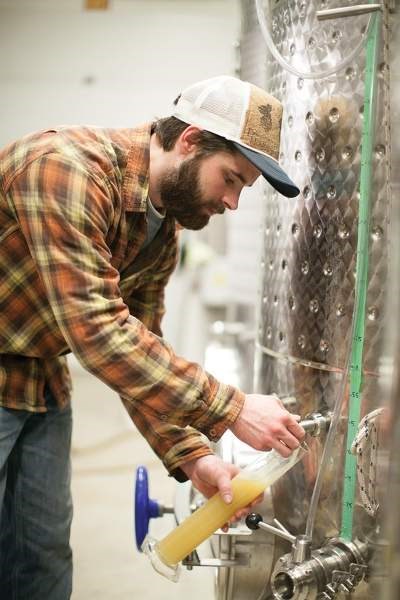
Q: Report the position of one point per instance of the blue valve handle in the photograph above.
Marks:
(145, 508)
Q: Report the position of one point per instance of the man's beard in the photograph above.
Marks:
(182, 198)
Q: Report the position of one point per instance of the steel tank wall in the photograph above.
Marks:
(390, 384)
(309, 259)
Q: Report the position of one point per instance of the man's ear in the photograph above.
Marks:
(188, 141)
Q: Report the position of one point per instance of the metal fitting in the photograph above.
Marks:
(336, 567)
(316, 423)
(301, 549)
(301, 544)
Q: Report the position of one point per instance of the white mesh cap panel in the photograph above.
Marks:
(215, 105)
(223, 101)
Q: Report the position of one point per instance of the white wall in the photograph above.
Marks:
(61, 64)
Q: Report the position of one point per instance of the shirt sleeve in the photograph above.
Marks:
(173, 445)
(65, 214)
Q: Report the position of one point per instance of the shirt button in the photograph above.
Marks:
(213, 432)
(164, 418)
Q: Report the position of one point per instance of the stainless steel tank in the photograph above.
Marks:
(390, 384)
(307, 292)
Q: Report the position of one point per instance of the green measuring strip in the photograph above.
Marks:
(356, 360)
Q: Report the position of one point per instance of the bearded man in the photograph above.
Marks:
(89, 222)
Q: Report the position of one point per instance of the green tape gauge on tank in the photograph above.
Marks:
(356, 361)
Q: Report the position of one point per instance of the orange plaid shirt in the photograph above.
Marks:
(72, 279)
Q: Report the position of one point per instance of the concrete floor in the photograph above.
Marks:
(106, 451)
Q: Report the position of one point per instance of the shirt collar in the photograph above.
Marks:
(135, 185)
(154, 211)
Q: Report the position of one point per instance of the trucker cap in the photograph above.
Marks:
(244, 114)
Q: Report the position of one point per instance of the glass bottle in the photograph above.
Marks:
(166, 554)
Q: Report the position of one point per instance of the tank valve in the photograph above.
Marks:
(336, 567)
(301, 544)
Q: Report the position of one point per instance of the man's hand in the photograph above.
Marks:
(210, 474)
(264, 423)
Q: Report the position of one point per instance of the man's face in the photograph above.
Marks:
(204, 186)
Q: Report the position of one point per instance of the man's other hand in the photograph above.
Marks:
(210, 474)
(264, 423)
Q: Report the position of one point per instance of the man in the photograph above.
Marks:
(88, 241)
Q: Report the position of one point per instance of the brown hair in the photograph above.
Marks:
(169, 129)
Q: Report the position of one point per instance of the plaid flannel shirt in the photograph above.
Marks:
(72, 278)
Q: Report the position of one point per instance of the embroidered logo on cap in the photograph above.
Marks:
(262, 125)
(265, 111)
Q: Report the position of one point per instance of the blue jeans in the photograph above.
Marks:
(35, 504)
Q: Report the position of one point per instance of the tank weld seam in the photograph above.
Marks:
(307, 363)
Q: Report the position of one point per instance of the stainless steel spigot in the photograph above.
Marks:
(316, 423)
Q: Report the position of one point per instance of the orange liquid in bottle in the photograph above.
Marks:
(207, 519)
(200, 525)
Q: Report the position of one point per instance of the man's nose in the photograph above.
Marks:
(231, 200)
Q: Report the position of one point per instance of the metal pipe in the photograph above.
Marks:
(166, 509)
(301, 550)
(347, 11)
